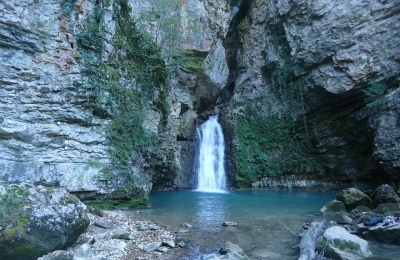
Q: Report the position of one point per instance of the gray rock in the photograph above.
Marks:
(83, 251)
(169, 243)
(385, 194)
(340, 244)
(151, 246)
(58, 255)
(187, 225)
(183, 230)
(343, 219)
(2, 191)
(101, 224)
(229, 247)
(40, 213)
(121, 234)
(229, 224)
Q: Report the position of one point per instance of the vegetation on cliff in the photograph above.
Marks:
(123, 86)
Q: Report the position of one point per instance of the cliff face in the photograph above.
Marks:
(317, 91)
(90, 103)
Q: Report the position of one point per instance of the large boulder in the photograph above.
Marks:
(385, 194)
(352, 198)
(333, 206)
(38, 220)
(338, 243)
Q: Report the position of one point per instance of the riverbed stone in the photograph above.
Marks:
(352, 198)
(229, 247)
(338, 243)
(229, 224)
(151, 246)
(169, 243)
(122, 234)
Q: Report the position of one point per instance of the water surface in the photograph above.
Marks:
(263, 219)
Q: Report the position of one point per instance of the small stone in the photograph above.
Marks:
(121, 234)
(101, 224)
(169, 243)
(83, 251)
(181, 244)
(187, 225)
(163, 249)
(151, 246)
(183, 230)
(229, 224)
(229, 247)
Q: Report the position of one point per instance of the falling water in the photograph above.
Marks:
(211, 170)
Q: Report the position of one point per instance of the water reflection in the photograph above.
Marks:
(211, 207)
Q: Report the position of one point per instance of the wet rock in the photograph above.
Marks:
(229, 224)
(229, 247)
(183, 230)
(352, 198)
(151, 246)
(187, 225)
(338, 243)
(333, 206)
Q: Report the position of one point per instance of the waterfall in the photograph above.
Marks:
(211, 170)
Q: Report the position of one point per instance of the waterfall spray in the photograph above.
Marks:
(211, 170)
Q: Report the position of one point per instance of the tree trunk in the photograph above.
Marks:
(310, 239)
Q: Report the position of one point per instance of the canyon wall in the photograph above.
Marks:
(102, 97)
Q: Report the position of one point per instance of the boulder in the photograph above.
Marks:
(58, 255)
(39, 220)
(352, 198)
(385, 194)
(333, 206)
(338, 243)
(386, 208)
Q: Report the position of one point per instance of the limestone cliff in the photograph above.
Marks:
(306, 89)
(316, 91)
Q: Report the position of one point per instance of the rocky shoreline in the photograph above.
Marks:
(116, 236)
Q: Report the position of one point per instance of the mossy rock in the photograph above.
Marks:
(352, 198)
(386, 208)
(39, 220)
(333, 206)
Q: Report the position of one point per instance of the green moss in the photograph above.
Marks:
(270, 147)
(12, 206)
(346, 245)
(123, 87)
